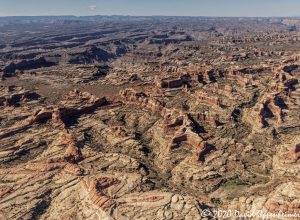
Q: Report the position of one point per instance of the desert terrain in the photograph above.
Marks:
(117, 117)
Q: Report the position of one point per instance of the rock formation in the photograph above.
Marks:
(148, 117)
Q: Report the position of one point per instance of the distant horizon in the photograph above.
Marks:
(120, 15)
(186, 8)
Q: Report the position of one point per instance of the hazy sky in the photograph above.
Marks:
(151, 7)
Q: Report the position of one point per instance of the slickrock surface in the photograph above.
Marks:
(147, 121)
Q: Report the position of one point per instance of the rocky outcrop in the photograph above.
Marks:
(269, 109)
(28, 65)
(171, 82)
(87, 102)
(200, 151)
(97, 191)
(286, 161)
(133, 97)
(207, 118)
(72, 153)
(203, 98)
(67, 162)
(13, 96)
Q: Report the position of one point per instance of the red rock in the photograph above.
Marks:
(201, 150)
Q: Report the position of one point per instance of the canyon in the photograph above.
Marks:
(112, 117)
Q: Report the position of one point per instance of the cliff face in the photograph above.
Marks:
(27, 65)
